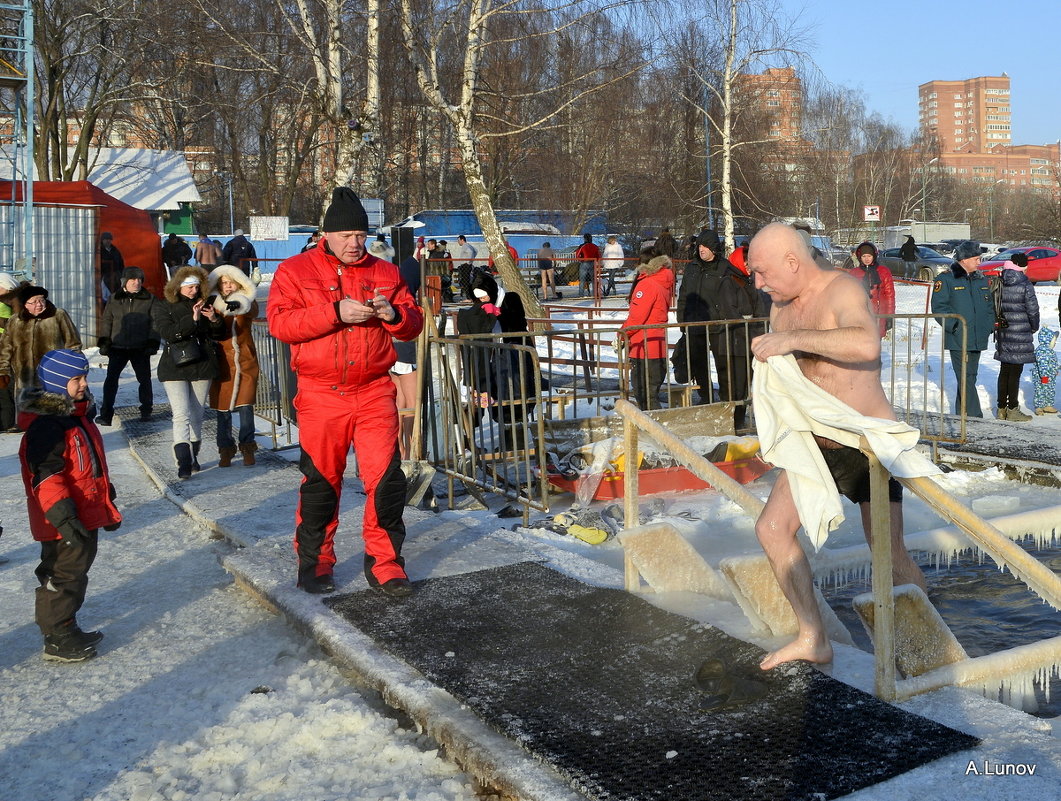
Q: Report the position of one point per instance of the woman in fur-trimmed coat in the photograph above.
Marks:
(237, 381)
(38, 327)
(184, 320)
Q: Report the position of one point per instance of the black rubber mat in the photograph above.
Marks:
(599, 684)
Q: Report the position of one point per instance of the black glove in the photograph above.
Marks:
(63, 515)
(112, 493)
(104, 346)
(231, 305)
(152, 348)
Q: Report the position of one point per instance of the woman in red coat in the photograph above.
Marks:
(650, 302)
(877, 279)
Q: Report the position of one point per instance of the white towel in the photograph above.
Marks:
(790, 410)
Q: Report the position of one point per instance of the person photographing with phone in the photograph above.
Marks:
(189, 362)
(338, 307)
(234, 390)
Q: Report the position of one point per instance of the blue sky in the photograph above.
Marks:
(886, 49)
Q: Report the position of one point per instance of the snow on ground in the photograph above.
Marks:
(200, 693)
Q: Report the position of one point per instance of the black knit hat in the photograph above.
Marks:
(345, 213)
(30, 291)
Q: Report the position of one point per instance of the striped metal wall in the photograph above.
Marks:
(64, 247)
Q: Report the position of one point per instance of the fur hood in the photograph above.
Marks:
(173, 286)
(244, 297)
(36, 401)
(655, 265)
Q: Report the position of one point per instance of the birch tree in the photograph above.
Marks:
(751, 35)
(449, 44)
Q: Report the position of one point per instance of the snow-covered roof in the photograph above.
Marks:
(153, 180)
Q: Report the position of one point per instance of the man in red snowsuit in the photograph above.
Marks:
(338, 307)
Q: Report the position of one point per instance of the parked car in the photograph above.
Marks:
(929, 262)
(1044, 263)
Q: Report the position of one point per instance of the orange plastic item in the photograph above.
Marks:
(664, 479)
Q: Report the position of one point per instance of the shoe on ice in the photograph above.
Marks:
(317, 585)
(86, 637)
(1046, 410)
(66, 648)
(1016, 415)
(396, 588)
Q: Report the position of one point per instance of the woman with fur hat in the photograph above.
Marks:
(38, 327)
(187, 324)
(237, 381)
(650, 301)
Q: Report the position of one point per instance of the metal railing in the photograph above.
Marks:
(273, 401)
(484, 426)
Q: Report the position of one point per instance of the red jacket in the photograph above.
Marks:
(303, 311)
(62, 457)
(650, 302)
(881, 295)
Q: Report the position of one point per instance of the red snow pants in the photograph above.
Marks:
(329, 421)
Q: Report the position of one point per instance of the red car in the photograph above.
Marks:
(1044, 263)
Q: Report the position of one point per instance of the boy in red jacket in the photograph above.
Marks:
(650, 302)
(69, 497)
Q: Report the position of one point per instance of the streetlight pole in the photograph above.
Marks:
(991, 209)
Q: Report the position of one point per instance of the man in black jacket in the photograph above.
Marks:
(712, 289)
(128, 336)
(175, 252)
(239, 252)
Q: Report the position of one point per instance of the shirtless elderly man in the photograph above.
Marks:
(823, 318)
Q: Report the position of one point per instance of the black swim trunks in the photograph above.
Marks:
(850, 470)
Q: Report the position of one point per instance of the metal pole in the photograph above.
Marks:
(231, 216)
(707, 154)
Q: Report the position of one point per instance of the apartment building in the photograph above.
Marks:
(777, 93)
(970, 116)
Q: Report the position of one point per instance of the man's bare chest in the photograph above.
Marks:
(807, 316)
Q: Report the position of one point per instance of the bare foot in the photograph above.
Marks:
(906, 571)
(809, 649)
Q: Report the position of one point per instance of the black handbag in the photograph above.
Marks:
(185, 352)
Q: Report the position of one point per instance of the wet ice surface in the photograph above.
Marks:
(988, 610)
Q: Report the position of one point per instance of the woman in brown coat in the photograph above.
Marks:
(237, 383)
(38, 327)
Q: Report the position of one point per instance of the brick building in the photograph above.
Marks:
(778, 92)
(970, 116)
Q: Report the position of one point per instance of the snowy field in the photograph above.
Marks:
(200, 693)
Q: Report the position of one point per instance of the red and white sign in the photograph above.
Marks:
(871, 213)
